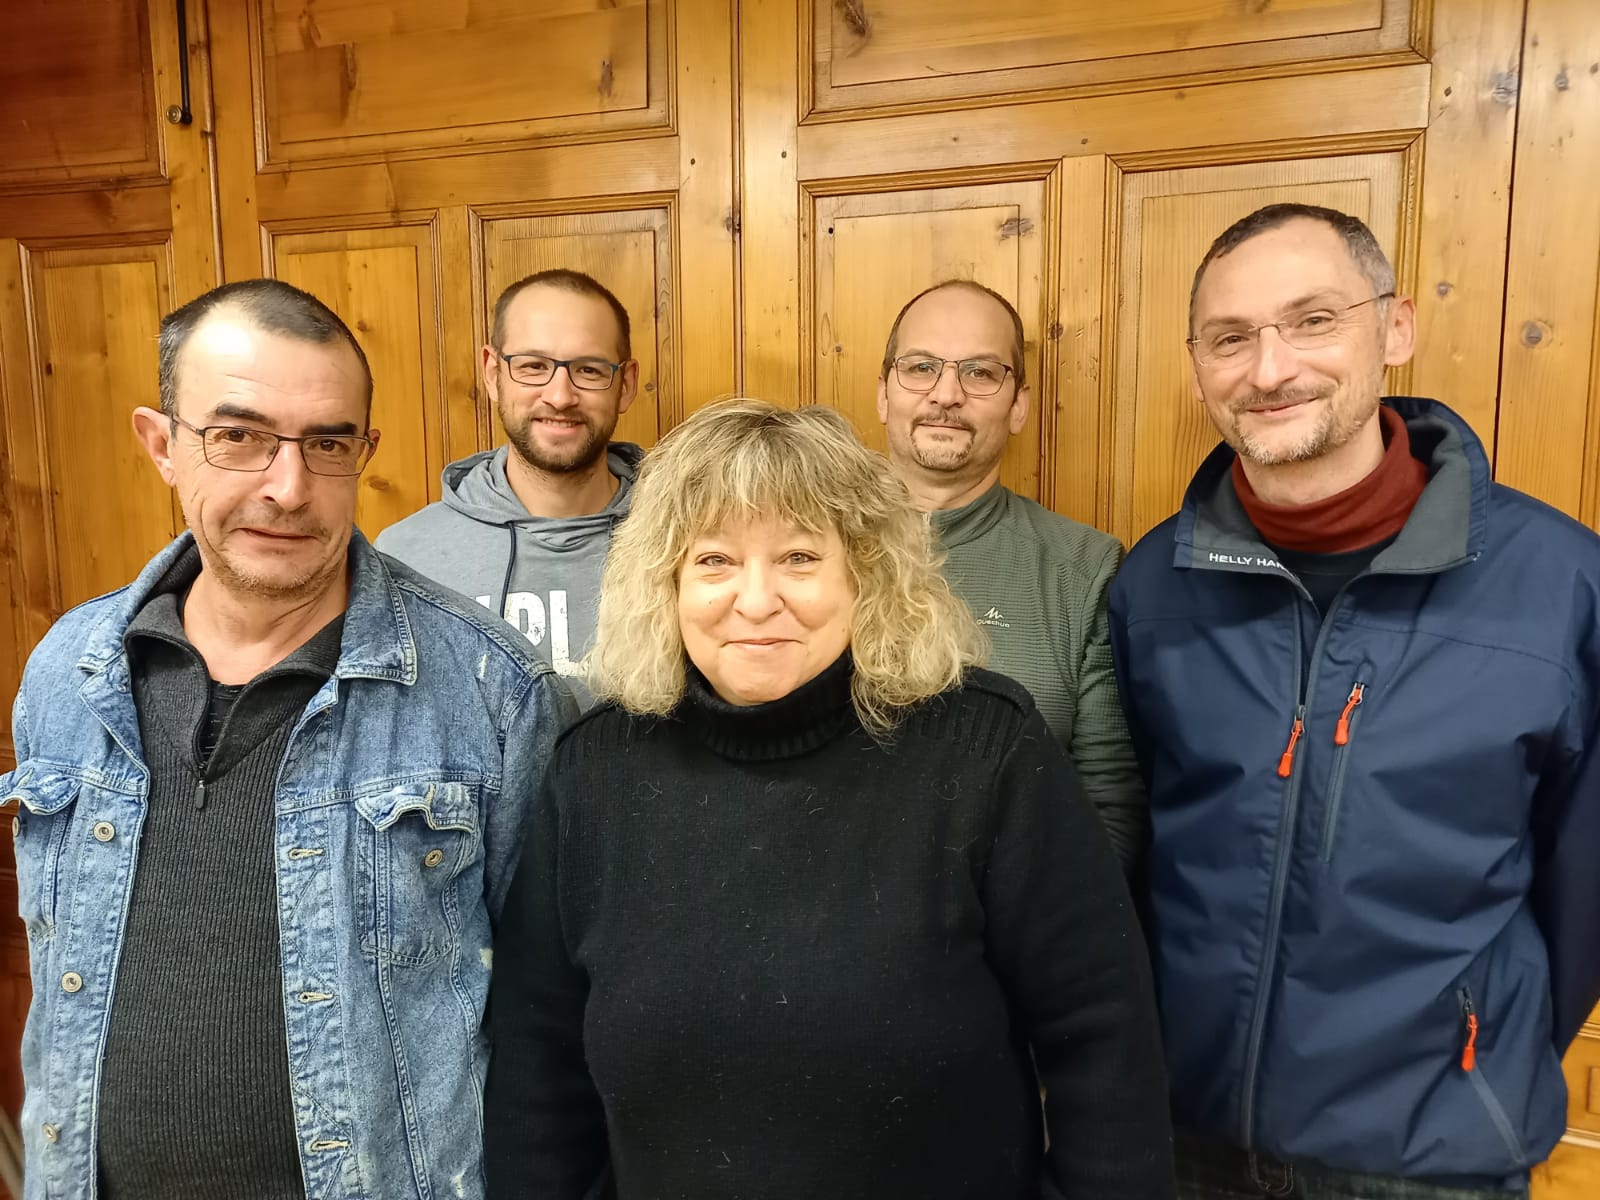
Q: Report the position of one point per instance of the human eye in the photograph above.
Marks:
(920, 366)
(712, 560)
(1315, 322)
(801, 558)
(1228, 343)
(232, 435)
(981, 371)
(592, 370)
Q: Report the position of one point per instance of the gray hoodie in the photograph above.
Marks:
(542, 574)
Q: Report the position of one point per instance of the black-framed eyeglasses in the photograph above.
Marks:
(240, 448)
(591, 374)
(977, 376)
(1311, 329)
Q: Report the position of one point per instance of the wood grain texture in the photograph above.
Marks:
(874, 251)
(1550, 392)
(1269, 110)
(93, 315)
(384, 283)
(1168, 219)
(341, 77)
(1460, 230)
(76, 96)
(630, 252)
(772, 242)
(894, 54)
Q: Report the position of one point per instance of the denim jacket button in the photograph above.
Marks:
(433, 858)
(72, 982)
(52, 1133)
(104, 831)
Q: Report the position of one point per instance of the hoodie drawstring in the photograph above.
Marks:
(505, 584)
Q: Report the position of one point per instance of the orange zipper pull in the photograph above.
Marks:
(1286, 762)
(1341, 731)
(1469, 1052)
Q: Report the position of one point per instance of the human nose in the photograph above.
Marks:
(757, 595)
(947, 389)
(287, 481)
(1275, 361)
(560, 392)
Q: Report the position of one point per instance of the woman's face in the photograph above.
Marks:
(764, 606)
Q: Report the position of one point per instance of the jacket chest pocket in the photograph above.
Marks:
(418, 853)
(45, 801)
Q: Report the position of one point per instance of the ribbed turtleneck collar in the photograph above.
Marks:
(956, 526)
(815, 713)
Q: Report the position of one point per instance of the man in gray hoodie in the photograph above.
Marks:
(524, 529)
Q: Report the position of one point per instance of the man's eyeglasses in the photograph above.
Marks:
(977, 376)
(1308, 330)
(536, 370)
(239, 448)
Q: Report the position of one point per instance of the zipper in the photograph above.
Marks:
(1286, 759)
(1343, 731)
(1304, 681)
(1469, 1067)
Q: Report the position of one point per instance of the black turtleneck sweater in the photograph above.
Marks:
(753, 953)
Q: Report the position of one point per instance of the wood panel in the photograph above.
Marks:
(875, 250)
(93, 316)
(76, 91)
(383, 282)
(1550, 375)
(342, 77)
(1168, 220)
(878, 53)
(630, 252)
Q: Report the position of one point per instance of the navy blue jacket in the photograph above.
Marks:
(1372, 952)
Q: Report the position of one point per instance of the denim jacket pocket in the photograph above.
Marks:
(416, 842)
(45, 802)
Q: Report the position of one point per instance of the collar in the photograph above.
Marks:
(377, 641)
(1447, 526)
(957, 526)
(815, 713)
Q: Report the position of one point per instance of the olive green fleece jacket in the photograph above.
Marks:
(1037, 583)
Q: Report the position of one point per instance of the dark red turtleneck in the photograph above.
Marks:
(1371, 511)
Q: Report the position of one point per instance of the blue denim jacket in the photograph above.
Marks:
(400, 809)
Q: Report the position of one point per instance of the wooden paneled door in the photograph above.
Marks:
(1080, 157)
(106, 222)
(407, 160)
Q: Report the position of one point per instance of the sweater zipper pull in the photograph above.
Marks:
(199, 794)
(1469, 1052)
(1341, 731)
(1286, 761)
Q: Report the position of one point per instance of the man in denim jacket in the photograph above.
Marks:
(269, 797)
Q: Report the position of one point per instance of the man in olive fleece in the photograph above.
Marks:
(951, 393)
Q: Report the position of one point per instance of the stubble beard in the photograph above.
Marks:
(952, 455)
(234, 575)
(580, 458)
(1334, 427)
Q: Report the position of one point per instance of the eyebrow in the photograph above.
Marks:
(1309, 300)
(241, 412)
(984, 355)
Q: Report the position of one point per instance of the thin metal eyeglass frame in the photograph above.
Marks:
(951, 362)
(559, 363)
(273, 457)
(1255, 332)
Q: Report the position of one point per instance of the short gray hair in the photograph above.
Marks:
(1368, 256)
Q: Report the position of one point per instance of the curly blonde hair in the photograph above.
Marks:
(741, 460)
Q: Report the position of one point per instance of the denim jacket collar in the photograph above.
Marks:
(378, 640)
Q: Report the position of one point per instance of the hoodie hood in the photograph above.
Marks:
(477, 488)
(542, 574)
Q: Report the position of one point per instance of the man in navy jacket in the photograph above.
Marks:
(1363, 682)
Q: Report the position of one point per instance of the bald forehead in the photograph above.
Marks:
(974, 316)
